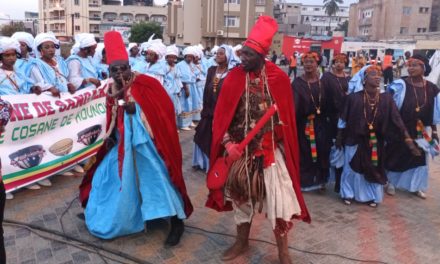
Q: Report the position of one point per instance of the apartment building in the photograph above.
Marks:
(389, 19)
(288, 16)
(434, 25)
(298, 19)
(68, 17)
(213, 22)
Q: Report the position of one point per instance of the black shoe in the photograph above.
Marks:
(176, 231)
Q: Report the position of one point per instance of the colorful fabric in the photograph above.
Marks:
(310, 134)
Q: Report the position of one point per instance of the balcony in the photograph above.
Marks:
(94, 4)
(366, 22)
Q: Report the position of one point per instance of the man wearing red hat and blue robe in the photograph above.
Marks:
(138, 172)
(266, 173)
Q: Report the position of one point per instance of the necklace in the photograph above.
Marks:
(418, 107)
(217, 79)
(374, 108)
(317, 107)
(372, 101)
(339, 82)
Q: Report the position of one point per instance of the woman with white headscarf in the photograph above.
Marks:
(368, 120)
(100, 61)
(82, 71)
(201, 72)
(12, 80)
(26, 41)
(154, 66)
(214, 81)
(172, 82)
(189, 78)
(49, 71)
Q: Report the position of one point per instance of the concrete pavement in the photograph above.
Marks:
(403, 229)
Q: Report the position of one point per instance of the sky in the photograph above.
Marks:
(15, 9)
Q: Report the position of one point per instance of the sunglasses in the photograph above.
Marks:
(122, 68)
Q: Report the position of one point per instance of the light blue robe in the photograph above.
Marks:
(157, 70)
(88, 69)
(188, 76)
(102, 68)
(201, 71)
(23, 64)
(8, 88)
(354, 185)
(120, 206)
(48, 73)
(415, 179)
(173, 86)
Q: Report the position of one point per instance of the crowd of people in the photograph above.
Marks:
(327, 127)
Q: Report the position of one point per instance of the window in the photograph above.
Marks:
(76, 15)
(403, 30)
(77, 28)
(232, 21)
(232, 2)
(406, 10)
(423, 10)
(260, 2)
(421, 30)
(76, 2)
(316, 9)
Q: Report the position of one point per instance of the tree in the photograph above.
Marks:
(141, 32)
(8, 30)
(331, 8)
(343, 27)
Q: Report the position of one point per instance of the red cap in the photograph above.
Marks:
(260, 38)
(114, 47)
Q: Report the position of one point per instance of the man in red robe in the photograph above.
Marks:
(137, 175)
(268, 170)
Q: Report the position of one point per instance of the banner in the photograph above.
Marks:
(47, 135)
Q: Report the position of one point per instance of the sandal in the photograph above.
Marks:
(346, 201)
(372, 204)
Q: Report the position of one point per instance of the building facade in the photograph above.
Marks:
(66, 18)
(213, 22)
(297, 19)
(288, 16)
(435, 16)
(389, 19)
(320, 23)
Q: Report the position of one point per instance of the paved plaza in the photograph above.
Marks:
(403, 229)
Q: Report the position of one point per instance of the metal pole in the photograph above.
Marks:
(227, 25)
(73, 24)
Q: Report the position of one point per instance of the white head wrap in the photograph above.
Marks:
(214, 49)
(189, 51)
(85, 40)
(158, 47)
(199, 51)
(98, 53)
(229, 55)
(24, 37)
(9, 44)
(75, 48)
(131, 45)
(172, 50)
(43, 37)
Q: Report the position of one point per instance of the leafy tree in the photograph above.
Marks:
(141, 32)
(331, 8)
(343, 27)
(8, 30)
